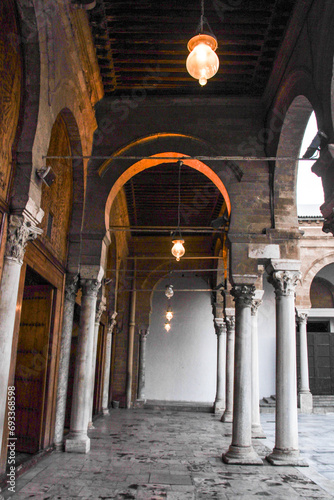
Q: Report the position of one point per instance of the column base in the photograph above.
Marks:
(227, 416)
(139, 403)
(257, 432)
(305, 402)
(77, 444)
(283, 458)
(219, 406)
(241, 455)
(59, 446)
(105, 411)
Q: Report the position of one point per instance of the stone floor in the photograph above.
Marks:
(157, 455)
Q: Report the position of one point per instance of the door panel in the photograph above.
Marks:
(321, 362)
(31, 365)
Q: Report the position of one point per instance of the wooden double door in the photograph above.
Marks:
(33, 363)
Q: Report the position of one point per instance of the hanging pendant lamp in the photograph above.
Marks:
(178, 249)
(202, 62)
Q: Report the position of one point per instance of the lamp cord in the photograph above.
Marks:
(179, 199)
(202, 14)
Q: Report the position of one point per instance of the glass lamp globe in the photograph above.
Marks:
(202, 62)
(178, 249)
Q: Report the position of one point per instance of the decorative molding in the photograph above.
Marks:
(255, 306)
(301, 317)
(143, 333)
(284, 282)
(230, 323)
(20, 231)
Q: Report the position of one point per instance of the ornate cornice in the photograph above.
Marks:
(20, 231)
(284, 282)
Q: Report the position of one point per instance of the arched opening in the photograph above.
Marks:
(147, 204)
(309, 189)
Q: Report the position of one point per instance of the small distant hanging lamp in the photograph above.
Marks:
(169, 313)
(178, 249)
(202, 62)
(167, 326)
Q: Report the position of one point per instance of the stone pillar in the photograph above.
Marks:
(132, 324)
(100, 308)
(142, 364)
(304, 395)
(257, 431)
(220, 328)
(241, 450)
(230, 328)
(78, 440)
(284, 276)
(107, 365)
(20, 231)
(71, 288)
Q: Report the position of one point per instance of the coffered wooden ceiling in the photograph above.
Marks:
(143, 44)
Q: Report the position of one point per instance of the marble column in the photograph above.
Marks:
(230, 329)
(284, 276)
(220, 328)
(100, 308)
(78, 440)
(107, 365)
(304, 395)
(143, 333)
(241, 450)
(71, 288)
(20, 231)
(257, 431)
(132, 324)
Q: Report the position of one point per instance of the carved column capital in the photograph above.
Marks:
(112, 323)
(20, 231)
(301, 318)
(230, 323)
(100, 308)
(71, 287)
(284, 282)
(143, 333)
(243, 294)
(255, 306)
(220, 326)
(90, 287)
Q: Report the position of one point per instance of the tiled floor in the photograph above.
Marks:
(153, 455)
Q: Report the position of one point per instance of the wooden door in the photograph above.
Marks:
(321, 362)
(32, 365)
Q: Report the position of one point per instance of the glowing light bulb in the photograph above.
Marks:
(167, 327)
(178, 249)
(202, 62)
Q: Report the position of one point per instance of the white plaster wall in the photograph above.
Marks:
(181, 364)
(267, 341)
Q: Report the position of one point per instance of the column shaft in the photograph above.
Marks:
(286, 450)
(20, 231)
(228, 413)
(78, 440)
(304, 395)
(220, 328)
(106, 376)
(132, 325)
(142, 364)
(257, 431)
(71, 288)
(241, 450)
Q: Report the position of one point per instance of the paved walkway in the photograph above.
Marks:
(155, 455)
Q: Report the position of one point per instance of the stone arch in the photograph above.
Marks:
(28, 40)
(321, 293)
(76, 215)
(285, 173)
(303, 295)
